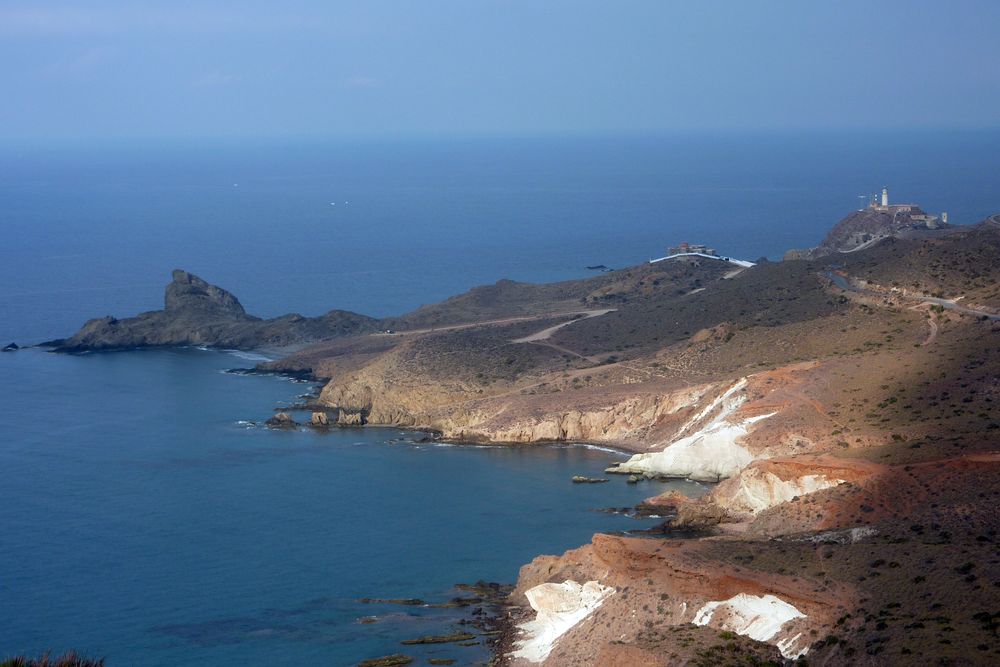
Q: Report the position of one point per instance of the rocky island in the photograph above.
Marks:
(845, 400)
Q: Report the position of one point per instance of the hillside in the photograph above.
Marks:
(837, 415)
(957, 265)
(846, 404)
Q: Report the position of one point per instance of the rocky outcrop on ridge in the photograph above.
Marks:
(198, 313)
(868, 226)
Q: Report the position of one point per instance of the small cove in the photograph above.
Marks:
(144, 522)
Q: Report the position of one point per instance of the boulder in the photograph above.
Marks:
(281, 420)
(350, 418)
(699, 515)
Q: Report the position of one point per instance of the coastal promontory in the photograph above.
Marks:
(196, 312)
(840, 409)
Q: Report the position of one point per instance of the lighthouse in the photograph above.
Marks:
(885, 197)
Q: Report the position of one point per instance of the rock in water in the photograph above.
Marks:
(440, 639)
(319, 419)
(387, 661)
(12, 347)
(281, 420)
(409, 602)
(579, 479)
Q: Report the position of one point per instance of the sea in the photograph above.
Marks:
(147, 517)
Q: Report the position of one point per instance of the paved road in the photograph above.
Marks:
(867, 244)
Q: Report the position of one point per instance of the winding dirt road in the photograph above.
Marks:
(948, 304)
(545, 334)
(506, 320)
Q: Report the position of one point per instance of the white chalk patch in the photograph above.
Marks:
(764, 490)
(559, 607)
(759, 617)
(709, 454)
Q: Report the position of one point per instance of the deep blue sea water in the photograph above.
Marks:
(140, 519)
(95, 230)
(143, 521)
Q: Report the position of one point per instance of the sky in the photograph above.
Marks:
(346, 68)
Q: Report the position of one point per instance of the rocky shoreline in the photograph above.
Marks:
(849, 435)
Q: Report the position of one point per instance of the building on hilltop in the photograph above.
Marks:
(909, 214)
(684, 248)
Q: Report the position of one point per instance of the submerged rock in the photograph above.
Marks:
(440, 639)
(457, 602)
(387, 661)
(411, 602)
(580, 479)
(487, 590)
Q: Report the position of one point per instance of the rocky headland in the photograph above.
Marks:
(868, 226)
(198, 313)
(845, 404)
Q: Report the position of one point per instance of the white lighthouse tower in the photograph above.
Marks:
(885, 197)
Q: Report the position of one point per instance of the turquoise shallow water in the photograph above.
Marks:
(143, 522)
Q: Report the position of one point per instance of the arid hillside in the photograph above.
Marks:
(842, 410)
(848, 403)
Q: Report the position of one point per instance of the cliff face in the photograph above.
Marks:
(648, 588)
(198, 313)
(833, 574)
(189, 294)
(384, 394)
(768, 483)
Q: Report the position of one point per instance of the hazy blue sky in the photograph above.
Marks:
(335, 68)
